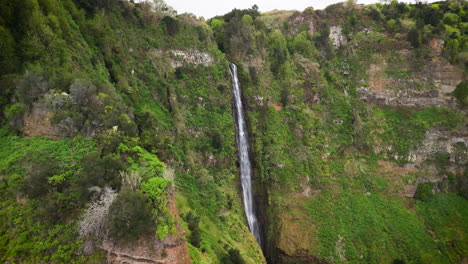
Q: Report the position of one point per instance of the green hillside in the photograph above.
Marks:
(117, 137)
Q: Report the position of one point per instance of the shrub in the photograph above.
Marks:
(99, 172)
(8, 60)
(278, 50)
(30, 87)
(36, 180)
(14, 114)
(193, 222)
(451, 19)
(129, 216)
(233, 257)
(247, 19)
(172, 25)
(424, 191)
(155, 189)
(216, 23)
(302, 45)
(461, 93)
(82, 92)
(415, 37)
(392, 25)
(452, 48)
(131, 179)
(195, 238)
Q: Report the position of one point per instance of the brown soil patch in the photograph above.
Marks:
(278, 107)
(38, 124)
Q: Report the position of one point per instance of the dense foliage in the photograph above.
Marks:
(313, 131)
(116, 114)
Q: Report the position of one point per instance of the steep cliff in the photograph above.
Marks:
(151, 92)
(356, 127)
(117, 139)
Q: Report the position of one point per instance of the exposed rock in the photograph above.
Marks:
(37, 123)
(299, 19)
(445, 76)
(294, 240)
(455, 144)
(277, 107)
(403, 181)
(336, 36)
(190, 57)
(179, 58)
(436, 45)
(340, 248)
(422, 165)
(432, 86)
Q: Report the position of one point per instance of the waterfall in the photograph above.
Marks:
(245, 166)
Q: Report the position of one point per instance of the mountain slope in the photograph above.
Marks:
(117, 138)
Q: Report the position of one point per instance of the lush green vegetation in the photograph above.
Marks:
(38, 230)
(349, 221)
(68, 58)
(136, 129)
(312, 130)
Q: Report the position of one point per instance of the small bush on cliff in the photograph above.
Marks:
(99, 172)
(424, 191)
(193, 222)
(30, 87)
(36, 184)
(129, 216)
(461, 93)
(155, 189)
(233, 257)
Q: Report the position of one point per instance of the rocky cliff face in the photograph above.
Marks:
(430, 86)
(362, 84)
(351, 110)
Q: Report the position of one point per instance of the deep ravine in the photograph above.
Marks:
(242, 138)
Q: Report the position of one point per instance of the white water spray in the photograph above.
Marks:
(245, 166)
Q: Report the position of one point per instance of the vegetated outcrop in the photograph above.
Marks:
(356, 115)
(430, 86)
(147, 249)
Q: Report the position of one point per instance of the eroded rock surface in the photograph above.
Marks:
(179, 58)
(455, 144)
(431, 86)
(336, 36)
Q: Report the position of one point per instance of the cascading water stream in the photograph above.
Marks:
(245, 166)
